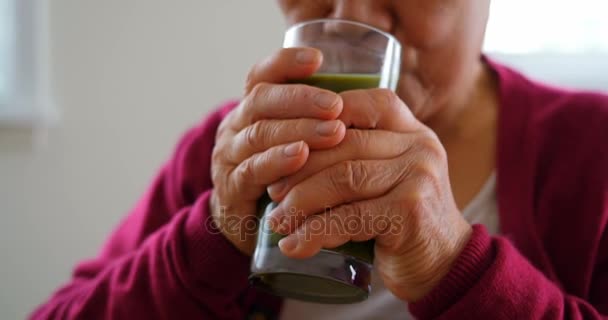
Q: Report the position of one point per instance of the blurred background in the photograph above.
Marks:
(94, 94)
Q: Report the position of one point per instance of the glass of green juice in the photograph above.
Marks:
(355, 56)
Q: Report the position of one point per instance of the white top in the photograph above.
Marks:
(381, 303)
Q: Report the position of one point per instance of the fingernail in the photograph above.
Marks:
(289, 243)
(276, 213)
(271, 224)
(306, 56)
(279, 220)
(277, 188)
(326, 100)
(293, 149)
(280, 223)
(328, 128)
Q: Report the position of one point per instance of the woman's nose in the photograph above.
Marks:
(370, 12)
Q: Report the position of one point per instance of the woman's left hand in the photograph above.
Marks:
(388, 180)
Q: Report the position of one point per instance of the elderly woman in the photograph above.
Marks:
(502, 184)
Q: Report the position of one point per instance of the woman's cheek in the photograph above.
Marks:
(426, 24)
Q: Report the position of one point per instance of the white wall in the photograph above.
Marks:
(129, 77)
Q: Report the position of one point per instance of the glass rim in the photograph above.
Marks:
(391, 37)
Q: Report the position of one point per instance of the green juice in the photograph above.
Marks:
(338, 83)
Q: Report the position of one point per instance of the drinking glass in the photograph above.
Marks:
(355, 56)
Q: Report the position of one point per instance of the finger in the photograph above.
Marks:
(356, 145)
(251, 176)
(286, 64)
(377, 109)
(286, 101)
(359, 221)
(264, 134)
(345, 182)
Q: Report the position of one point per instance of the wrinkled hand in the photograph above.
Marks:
(390, 184)
(269, 136)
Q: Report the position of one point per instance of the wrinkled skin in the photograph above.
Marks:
(369, 155)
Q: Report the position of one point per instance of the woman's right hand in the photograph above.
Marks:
(269, 136)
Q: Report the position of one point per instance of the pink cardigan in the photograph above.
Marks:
(550, 262)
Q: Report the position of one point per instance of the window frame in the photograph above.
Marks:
(29, 101)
